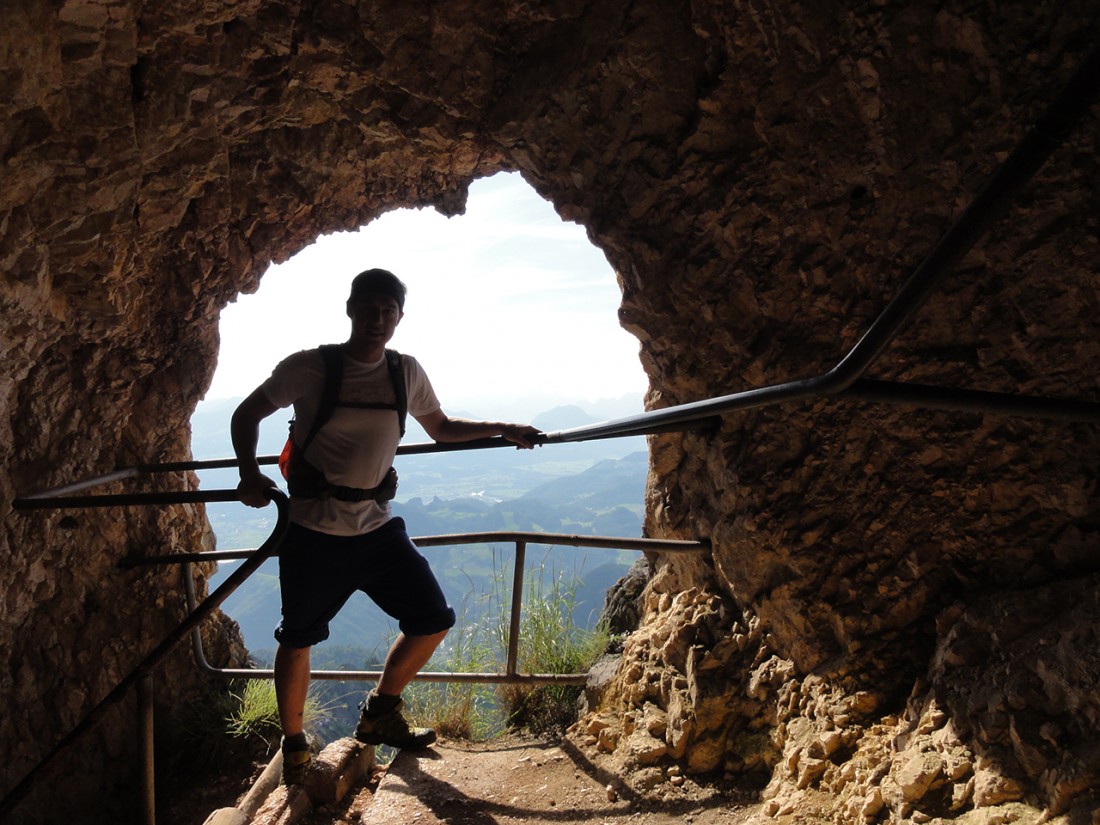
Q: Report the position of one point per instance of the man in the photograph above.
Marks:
(341, 541)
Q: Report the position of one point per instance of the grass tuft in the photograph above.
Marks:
(253, 711)
(550, 642)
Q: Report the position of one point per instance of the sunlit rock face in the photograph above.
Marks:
(898, 615)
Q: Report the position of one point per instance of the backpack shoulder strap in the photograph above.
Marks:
(397, 375)
(333, 358)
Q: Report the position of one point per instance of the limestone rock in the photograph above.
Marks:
(622, 606)
(644, 749)
(916, 776)
(227, 816)
(337, 769)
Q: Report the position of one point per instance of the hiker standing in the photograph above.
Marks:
(342, 537)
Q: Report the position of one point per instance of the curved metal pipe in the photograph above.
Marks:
(1017, 169)
(192, 620)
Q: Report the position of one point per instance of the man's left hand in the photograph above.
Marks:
(523, 436)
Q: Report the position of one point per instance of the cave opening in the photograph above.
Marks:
(512, 312)
(508, 304)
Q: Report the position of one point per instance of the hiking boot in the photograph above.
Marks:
(390, 728)
(296, 766)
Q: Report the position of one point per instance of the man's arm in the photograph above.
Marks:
(443, 428)
(244, 429)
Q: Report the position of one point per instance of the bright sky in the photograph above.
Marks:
(506, 302)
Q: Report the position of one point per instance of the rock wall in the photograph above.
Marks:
(898, 615)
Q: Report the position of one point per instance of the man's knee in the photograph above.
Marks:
(431, 624)
(291, 653)
(296, 638)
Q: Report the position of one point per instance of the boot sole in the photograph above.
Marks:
(418, 744)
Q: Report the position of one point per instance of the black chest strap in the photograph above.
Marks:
(333, 357)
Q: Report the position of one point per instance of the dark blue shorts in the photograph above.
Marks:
(318, 573)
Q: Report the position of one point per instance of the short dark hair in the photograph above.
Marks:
(377, 281)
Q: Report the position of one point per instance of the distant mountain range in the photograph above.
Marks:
(591, 488)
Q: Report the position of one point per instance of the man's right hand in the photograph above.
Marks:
(244, 428)
(253, 489)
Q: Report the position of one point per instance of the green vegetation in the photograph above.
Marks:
(550, 642)
(254, 712)
(247, 710)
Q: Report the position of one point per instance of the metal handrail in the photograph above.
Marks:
(1049, 131)
(845, 379)
(197, 615)
(510, 675)
(253, 559)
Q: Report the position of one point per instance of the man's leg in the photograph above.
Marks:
(382, 722)
(407, 655)
(291, 687)
(404, 586)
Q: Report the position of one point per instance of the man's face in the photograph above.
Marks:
(374, 318)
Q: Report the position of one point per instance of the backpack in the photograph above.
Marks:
(304, 480)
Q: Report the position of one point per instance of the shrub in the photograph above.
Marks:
(549, 643)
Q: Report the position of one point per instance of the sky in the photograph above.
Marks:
(508, 305)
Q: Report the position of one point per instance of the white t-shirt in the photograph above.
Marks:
(355, 447)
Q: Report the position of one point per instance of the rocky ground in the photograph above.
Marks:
(510, 780)
(517, 779)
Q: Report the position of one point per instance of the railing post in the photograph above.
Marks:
(145, 712)
(517, 606)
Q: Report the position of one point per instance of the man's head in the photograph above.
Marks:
(377, 282)
(375, 307)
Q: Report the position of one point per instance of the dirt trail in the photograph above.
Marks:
(517, 780)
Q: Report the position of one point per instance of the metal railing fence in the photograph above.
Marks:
(140, 676)
(511, 674)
